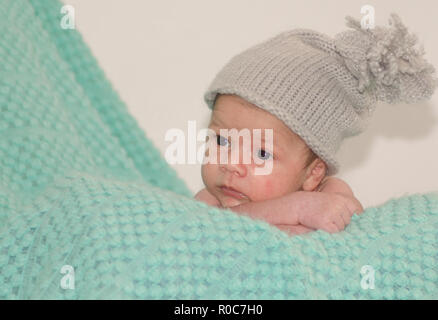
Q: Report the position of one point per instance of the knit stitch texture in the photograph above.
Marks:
(81, 185)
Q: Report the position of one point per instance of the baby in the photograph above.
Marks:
(297, 196)
(312, 91)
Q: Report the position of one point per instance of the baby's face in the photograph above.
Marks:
(288, 157)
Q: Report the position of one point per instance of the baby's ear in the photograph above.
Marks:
(316, 172)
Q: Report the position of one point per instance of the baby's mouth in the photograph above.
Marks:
(233, 193)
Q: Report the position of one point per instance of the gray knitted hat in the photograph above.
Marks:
(325, 89)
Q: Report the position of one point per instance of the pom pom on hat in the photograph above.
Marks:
(386, 61)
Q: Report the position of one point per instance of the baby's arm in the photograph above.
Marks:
(303, 211)
(261, 210)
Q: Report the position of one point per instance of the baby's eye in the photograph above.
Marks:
(221, 140)
(264, 155)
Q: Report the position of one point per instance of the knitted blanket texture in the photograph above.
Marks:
(83, 189)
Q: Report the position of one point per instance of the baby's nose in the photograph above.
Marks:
(238, 160)
(236, 169)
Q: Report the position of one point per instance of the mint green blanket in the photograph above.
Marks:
(89, 208)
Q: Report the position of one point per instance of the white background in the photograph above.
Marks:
(161, 56)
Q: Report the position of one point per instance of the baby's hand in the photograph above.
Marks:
(327, 211)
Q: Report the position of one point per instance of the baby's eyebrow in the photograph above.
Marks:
(275, 144)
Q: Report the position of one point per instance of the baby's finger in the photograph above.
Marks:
(339, 222)
(346, 216)
(331, 227)
(353, 206)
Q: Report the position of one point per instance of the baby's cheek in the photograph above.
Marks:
(273, 187)
(266, 189)
(208, 174)
(268, 185)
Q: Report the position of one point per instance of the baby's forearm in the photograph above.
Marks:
(330, 211)
(276, 211)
